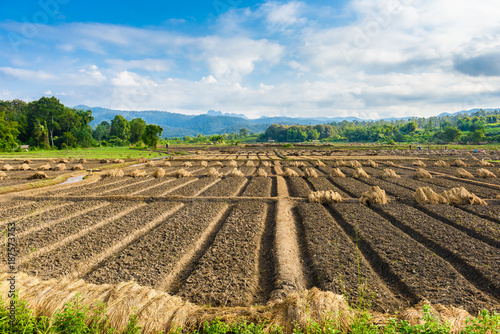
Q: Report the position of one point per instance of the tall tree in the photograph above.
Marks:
(137, 128)
(120, 128)
(152, 134)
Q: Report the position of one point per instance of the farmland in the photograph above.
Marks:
(238, 241)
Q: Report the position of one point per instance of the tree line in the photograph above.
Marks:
(47, 123)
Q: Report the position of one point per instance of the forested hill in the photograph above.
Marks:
(180, 125)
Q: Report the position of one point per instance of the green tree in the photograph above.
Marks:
(152, 134)
(120, 128)
(102, 131)
(8, 133)
(243, 132)
(137, 128)
(409, 127)
(451, 134)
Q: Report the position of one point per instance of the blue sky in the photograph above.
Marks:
(364, 58)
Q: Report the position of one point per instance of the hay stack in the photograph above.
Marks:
(290, 173)
(278, 170)
(360, 172)
(24, 167)
(460, 196)
(212, 172)
(336, 172)
(142, 160)
(77, 167)
(419, 163)
(310, 172)
(460, 163)
(389, 173)
(426, 195)
(232, 163)
(371, 163)
(118, 161)
(138, 173)
(113, 173)
(38, 175)
(441, 163)
(7, 167)
(249, 163)
(104, 161)
(27, 161)
(354, 164)
(266, 164)
(422, 174)
(82, 161)
(339, 163)
(3, 175)
(484, 173)
(62, 161)
(374, 195)
(261, 172)
(319, 163)
(462, 173)
(474, 158)
(187, 164)
(298, 164)
(324, 197)
(60, 167)
(182, 173)
(159, 172)
(236, 173)
(218, 164)
(484, 163)
(150, 163)
(166, 164)
(44, 167)
(390, 164)
(203, 164)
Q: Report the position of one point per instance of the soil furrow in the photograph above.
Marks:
(259, 186)
(229, 186)
(298, 187)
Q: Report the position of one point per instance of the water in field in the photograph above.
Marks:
(74, 179)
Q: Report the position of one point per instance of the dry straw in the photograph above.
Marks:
(113, 173)
(212, 172)
(460, 196)
(336, 172)
(236, 173)
(277, 163)
(3, 175)
(142, 160)
(167, 164)
(339, 163)
(7, 167)
(319, 163)
(354, 164)
(104, 161)
(462, 173)
(484, 173)
(374, 195)
(290, 173)
(232, 163)
(24, 167)
(419, 163)
(150, 164)
(441, 163)
(218, 164)
(310, 172)
(60, 166)
(138, 173)
(82, 161)
(278, 170)
(422, 174)
(44, 167)
(371, 163)
(77, 167)
(297, 164)
(203, 164)
(484, 163)
(261, 172)
(460, 163)
(266, 164)
(38, 175)
(62, 161)
(390, 164)
(359, 173)
(389, 173)
(249, 163)
(426, 195)
(28, 161)
(182, 173)
(159, 172)
(187, 164)
(324, 197)
(474, 158)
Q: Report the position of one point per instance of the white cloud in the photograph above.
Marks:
(27, 75)
(47, 93)
(284, 15)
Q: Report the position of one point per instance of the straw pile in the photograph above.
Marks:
(159, 172)
(460, 196)
(167, 164)
(150, 163)
(372, 163)
(104, 161)
(390, 163)
(474, 158)
(44, 167)
(484, 173)
(212, 172)
(460, 163)
(60, 167)
(138, 173)
(182, 173)
(336, 172)
(324, 197)
(419, 163)
(462, 173)
(232, 163)
(441, 163)
(389, 173)
(423, 174)
(38, 175)
(261, 172)
(319, 163)
(298, 164)
(77, 167)
(203, 164)
(142, 160)
(218, 164)
(113, 173)
(82, 161)
(236, 173)
(310, 172)
(484, 163)
(249, 163)
(7, 167)
(360, 172)
(339, 163)
(290, 173)
(278, 170)
(62, 161)
(187, 164)
(266, 164)
(354, 164)
(3, 175)
(24, 167)
(426, 195)
(374, 195)
(28, 161)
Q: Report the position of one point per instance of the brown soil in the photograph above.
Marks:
(258, 187)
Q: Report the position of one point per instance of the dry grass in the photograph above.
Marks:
(266, 164)
(426, 195)
(460, 163)
(142, 160)
(441, 163)
(374, 195)
(319, 163)
(278, 170)
(3, 175)
(7, 167)
(159, 172)
(336, 172)
(60, 166)
(249, 163)
(419, 163)
(324, 197)
(389, 173)
(310, 172)
(182, 173)
(359, 173)
(118, 161)
(203, 164)
(27, 161)
(187, 164)
(104, 161)
(212, 172)
(218, 164)
(150, 163)
(277, 163)
(62, 161)
(462, 173)
(82, 161)
(290, 173)
(484, 173)
(354, 164)
(390, 164)
(232, 163)
(297, 164)
(422, 174)
(77, 167)
(484, 163)
(236, 173)
(38, 175)
(166, 164)
(261, 172)
(138, 173)
(474, 158)
(24, 166)
(460, 196)
(371, 163)
(113, 173)
(44, 167)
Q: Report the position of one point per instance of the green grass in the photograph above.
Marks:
(86, 153)
(79, 319)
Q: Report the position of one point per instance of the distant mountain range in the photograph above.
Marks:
(213, 122)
